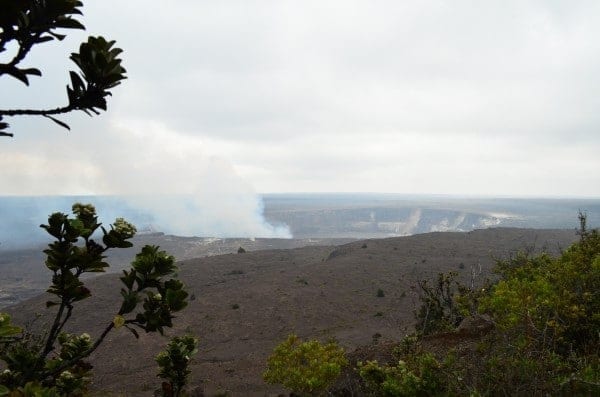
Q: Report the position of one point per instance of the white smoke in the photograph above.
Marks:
(187, 191)
(157, 171)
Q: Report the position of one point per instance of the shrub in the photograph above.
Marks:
(306, 368)
(438, 311)
(545, 340)
(174, 364)
(420, 379)
(552, 302)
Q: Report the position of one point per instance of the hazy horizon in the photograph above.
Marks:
(299, 215)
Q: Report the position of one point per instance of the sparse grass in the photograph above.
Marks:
(378, 314)
(302, 281)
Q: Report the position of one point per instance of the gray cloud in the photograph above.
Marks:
(415, 97)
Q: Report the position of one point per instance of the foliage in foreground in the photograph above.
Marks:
(306, 368)
(56, 361)
(551, 303)
(26, 24)
(535, 330)
(174, 364)
(546, 339)
(421, 377)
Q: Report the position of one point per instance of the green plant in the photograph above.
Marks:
(422, 378)
(438, 311)
(7, 330)
(25, 24)
(56, 359)
(306, 368)
(380, 293)
(174, 364)
(543, 338)
(552, 302)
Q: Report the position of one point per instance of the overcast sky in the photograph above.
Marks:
(446, 97)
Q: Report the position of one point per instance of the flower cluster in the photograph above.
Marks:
(124, 228)
(83, 210)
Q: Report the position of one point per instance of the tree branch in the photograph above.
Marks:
(53, 331)
(36, 112)
(64, 321)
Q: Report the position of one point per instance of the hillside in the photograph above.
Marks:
(24, 276)
(315, 291)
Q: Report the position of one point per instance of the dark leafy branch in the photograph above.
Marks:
(28, 23)
(31, 22)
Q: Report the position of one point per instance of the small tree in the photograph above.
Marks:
(56, 361)
(28, 23)
(174, 364)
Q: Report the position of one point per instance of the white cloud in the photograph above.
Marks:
(424, 97)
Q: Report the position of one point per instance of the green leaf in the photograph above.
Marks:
(69, 23)
(61, 123)
(15, 72)
(134, 332)
(32, 71)
(43, 39)
(6, 328)
(78, 84)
